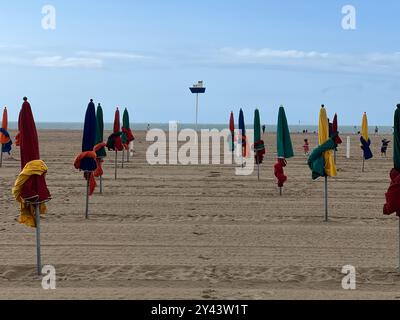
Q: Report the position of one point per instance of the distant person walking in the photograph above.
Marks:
(148, 127)
(263, 129)
(376, 130)
(306, 147)
(385, 144)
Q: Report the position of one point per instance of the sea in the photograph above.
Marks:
(165, 127)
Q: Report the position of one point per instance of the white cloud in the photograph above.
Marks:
(10, 55)
(51, 62)
(111, 55)
(376, 63)
(71, 62)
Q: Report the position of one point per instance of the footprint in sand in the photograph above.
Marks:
(203, 257)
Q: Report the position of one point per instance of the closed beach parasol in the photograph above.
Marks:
(365, 141)
(335, 132)
(101, 152)
(259, 147)
(232, 131)
(86, 161)
(30, 188)
(284, 148)
(5, 139)
(114, 142)
(393, 194)
(242, 136)
(321, 160)
(127, 135)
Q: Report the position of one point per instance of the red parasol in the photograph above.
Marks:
(35, 189)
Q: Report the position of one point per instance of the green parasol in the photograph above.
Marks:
(100, 131)
(126, 125)
(283, 140)
(396, 139)
(259, 147)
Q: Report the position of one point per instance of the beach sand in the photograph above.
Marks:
(200, 232)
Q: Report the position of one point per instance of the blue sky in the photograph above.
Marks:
(145, 54)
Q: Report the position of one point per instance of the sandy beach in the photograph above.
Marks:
(200, 232)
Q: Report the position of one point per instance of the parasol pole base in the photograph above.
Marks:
(280, 191)
(363, 165)
(123, 157)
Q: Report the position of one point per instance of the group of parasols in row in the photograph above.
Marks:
(30, 189)
(322, 161)
(31, 192)
(94, 148)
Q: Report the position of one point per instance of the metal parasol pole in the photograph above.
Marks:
(326, 199)
(363, 164)
(88, 174)
(399, 244)
(1, 156)
(116, 163)
(101, 184)
(123, 157)
(38, 251)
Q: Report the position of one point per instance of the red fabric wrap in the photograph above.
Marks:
(118, 143)
(129, 136)
(393, 195)
(279, 173)
(87, 175)
(259, 148)
(99, 171)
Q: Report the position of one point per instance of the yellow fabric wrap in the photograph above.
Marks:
(27, 211)
(323, 136)
(364, 127)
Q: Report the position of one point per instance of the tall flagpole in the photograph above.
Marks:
(196, 89)
(197, 111)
